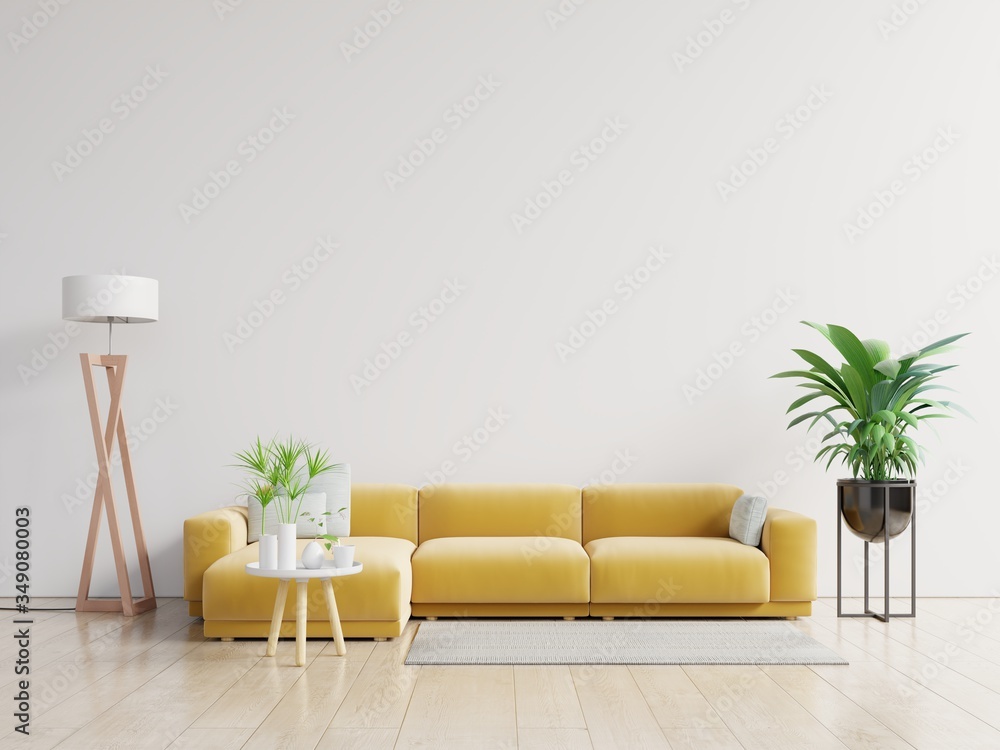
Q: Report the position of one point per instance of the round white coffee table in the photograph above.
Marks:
(302, 576)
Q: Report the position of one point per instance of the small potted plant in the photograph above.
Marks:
(288, 467)
(313, 556)
(256, 461)
(873, 402)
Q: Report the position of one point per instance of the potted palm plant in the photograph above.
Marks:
(256, 461)
(873, 403)
(282, 472)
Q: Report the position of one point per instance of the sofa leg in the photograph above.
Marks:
(380, 640)
(227, 640)
(791, 618)
(431, 618)
(569, 618)
(607, 619)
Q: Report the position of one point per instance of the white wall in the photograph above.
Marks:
(495, 346)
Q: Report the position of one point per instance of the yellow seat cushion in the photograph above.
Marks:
(510, 569)
(380, 592)
(666, 570)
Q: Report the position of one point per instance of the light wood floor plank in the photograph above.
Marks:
(464, 704)
(546, 697)
(757, 711)
(553, 738)
(613, 707)
(918, 715)
(850, 723)
(369, 738)
(216, 738)
(685, 717)
(303, 714)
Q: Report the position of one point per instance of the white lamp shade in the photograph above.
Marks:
(110, 299)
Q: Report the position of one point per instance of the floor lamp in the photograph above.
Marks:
(111, 299)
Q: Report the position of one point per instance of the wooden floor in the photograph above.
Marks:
(153, 681)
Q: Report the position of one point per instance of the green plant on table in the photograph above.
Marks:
(876, 399)
(260, 486)
(329, 539)
(281, 471)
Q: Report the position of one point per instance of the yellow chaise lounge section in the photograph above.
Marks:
(663, 550)
(373, 604)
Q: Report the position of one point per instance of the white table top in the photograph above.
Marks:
(300, 572)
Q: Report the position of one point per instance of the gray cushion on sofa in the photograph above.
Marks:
(747, 521)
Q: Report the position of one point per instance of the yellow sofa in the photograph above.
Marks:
(663, 550)
(374, 603)
(509, 550)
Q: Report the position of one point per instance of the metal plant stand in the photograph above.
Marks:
(884, 617)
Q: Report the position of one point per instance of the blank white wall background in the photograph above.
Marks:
(495, 347)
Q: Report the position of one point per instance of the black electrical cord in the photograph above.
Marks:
(37, 609)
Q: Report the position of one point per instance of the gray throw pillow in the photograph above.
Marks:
(747, 522)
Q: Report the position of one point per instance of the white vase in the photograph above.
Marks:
(268, 552)
(286, 546)
(343, 556)
(312, 556)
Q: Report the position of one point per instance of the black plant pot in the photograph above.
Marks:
(862, 506)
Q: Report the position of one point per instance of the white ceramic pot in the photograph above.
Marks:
(286, 546)
(312, 556)
(268, 552)
(343, 556)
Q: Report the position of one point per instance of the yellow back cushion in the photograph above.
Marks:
(657, 510)
(384, 510)
(448, 510)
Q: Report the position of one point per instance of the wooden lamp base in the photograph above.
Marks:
(104, 437)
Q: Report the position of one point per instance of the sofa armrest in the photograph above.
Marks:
(789, 541)
(207, 538)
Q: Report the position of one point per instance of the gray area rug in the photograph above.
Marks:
(615, 642)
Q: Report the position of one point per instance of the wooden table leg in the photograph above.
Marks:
(279, 610)
(331, 605)
(301, 613)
